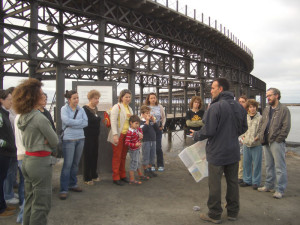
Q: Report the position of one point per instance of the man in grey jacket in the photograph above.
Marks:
(224, 121)
(273, 130)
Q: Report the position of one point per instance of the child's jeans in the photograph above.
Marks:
(134, 159)
(149, 152)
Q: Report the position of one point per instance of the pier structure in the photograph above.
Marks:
(144, 43)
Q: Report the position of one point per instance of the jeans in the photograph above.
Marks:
(159, 152)
(232, 194)
(37, 172)
(10, 179)
(21, 189)
(149, 150)
(134, 159)
(20, 215)
(252, 162)
(4, 165)
(275, 166)
(72, 151)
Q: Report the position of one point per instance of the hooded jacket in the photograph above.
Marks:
(7, 138)
(224, 121)
(36, 129)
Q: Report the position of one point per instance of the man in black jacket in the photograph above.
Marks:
(224, 121)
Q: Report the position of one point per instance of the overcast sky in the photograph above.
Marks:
(270, 28)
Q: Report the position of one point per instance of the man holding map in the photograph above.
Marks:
(225, 120)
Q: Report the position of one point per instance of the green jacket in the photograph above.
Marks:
(36, 129)
(280, 124)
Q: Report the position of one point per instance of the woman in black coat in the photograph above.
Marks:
(91, 133)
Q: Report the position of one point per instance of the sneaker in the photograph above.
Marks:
(277, 195)
(244, 184)
(265, 189)
(16, 195)
(96, 179)
(89, 182)
(63, 196)
(240, 181)
(255, 186)
(161, 169)
(12, 201)
(230, 218)
(153, 168)
(207, 218)
(6, 214)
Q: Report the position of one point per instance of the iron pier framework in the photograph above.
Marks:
(141, 42)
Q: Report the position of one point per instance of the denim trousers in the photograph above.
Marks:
(4, 165)
(134, 159)
(215, 174)
(252, 163)
(10, 179)
(275, 166)
(37, 172)
(72, 151)
(159, 152)
(148, 152)
(21, 189)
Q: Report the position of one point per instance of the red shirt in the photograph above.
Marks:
(132, 137)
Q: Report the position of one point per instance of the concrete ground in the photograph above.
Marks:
(169, 199)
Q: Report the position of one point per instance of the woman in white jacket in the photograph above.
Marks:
(119, 117)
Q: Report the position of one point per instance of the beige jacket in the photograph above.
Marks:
(117, 112)
(252, 131)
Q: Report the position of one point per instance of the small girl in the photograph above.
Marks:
(133, 141)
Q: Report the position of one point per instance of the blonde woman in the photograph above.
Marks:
(120, 115)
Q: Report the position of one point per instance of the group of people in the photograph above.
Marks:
(28, 140)
(229, 126)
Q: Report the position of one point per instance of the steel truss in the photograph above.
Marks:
(156, 46)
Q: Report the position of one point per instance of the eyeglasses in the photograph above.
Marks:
(269, 95)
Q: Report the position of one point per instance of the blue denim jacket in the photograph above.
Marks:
(74, 127)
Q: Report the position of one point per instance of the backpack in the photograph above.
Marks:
(106, 115)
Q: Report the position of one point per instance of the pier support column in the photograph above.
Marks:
(202, 91)
(237, 91)
(131, 78)
(101, 37)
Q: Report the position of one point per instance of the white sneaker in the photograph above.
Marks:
(16, 195)
(265, 189)
(153, 168)
(277, 195)
(12, 201)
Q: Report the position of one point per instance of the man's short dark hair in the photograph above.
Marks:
(134, 118)
(223, 82)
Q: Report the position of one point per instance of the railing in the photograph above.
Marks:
(184, 10)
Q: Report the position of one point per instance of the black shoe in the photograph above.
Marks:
(147, 173)
(153, 174)
(255, 186)
(125, 179)
(240, 181)
(245, 184)
(118, 182)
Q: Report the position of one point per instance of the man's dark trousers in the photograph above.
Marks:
(232, 194)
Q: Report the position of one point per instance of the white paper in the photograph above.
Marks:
(194, 158)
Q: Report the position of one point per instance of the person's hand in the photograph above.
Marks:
(46, 142)
(116, 139)
(138, 144)
(256, 139)
(141, 136)
(192, 132)
(128, 115)
(161, 128)
(153, 118)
